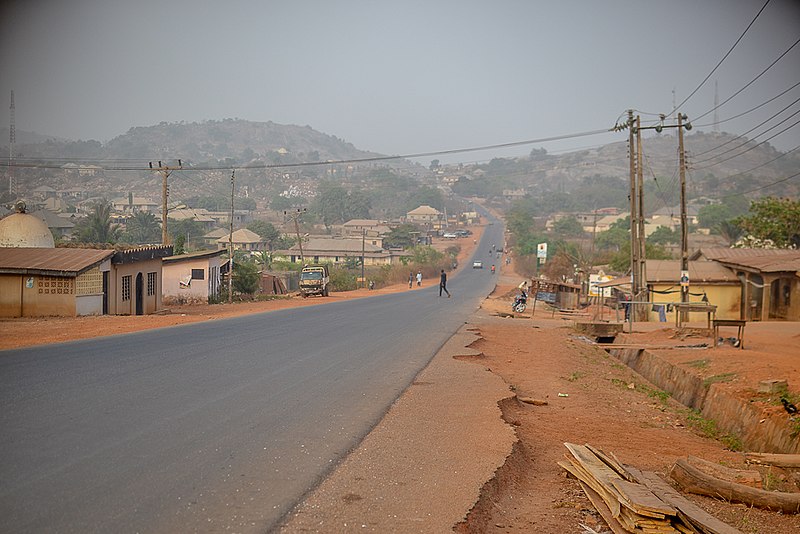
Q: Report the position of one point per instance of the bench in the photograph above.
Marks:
(739, 323)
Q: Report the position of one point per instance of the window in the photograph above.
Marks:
(151, 284)
(198, 274)
(126, 288)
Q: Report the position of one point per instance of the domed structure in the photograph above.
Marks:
(21, 229)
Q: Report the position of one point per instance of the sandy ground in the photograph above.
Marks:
(458, 451)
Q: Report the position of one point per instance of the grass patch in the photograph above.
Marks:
(575, 376)
(698, 364)
(708, 428)
(724, 377)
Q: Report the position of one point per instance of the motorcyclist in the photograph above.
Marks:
(493, 268)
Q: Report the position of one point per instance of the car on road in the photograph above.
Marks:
(477, 265)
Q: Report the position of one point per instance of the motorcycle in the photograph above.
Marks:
(520, 302)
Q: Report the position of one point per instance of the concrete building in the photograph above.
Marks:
(42, 282)
(191, 278)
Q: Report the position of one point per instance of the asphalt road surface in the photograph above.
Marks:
(214, 426)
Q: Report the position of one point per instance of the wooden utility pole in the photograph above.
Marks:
(684, 219)
(363, 247)
(296, 216)
(642, 253)
(634, 217)
(165, 171)
(230, 241)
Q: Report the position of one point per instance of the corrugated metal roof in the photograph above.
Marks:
(64, 261)
(193, 256)
(669, 271)
(766, 260)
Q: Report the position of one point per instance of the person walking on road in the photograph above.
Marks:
(443, 284)
(410, 279)
(419, 278)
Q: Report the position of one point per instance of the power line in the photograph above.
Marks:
(742, 135)
(751, 82)
(721, 60)
(782, 180)
(751, 148)
(752, 109)
(358, 160)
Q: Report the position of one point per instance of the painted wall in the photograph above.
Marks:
(727, 299)
(178, 283)
(37, 296)
(122, 300)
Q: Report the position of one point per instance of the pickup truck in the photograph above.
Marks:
(314, 280)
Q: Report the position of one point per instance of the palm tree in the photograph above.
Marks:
(97, 227)
(730, 231)
(143, 227)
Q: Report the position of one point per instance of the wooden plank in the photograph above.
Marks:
(696, 481)
(692, 515)
(612, 502)
(611, 461)
(778, 460)
(642, 501)
(603, 510)
(599, 472)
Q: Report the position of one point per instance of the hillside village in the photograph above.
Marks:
(368, 209)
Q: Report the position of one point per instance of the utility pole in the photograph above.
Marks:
(363, 247)
(634, 217)
(12, 139)
(296, 216)
(637, 202)
(642, 252)
(165, 171)
(684, 220)
(230, 240)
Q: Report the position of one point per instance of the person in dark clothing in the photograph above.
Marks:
(443, 284)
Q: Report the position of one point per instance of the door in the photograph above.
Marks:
(139, 294)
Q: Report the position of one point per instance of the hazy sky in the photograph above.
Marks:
(395, 77)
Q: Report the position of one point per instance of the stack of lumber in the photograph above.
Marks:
(633, 501)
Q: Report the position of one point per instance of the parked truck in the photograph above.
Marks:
(314, 280)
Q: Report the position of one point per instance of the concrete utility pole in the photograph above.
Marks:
(363, 247)
(165, 171)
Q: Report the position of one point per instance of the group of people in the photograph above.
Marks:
(418, 278)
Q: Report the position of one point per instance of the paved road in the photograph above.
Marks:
(210, 426)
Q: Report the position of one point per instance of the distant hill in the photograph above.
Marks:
(232, 140)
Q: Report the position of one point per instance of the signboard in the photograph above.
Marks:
(684, 278)
(594, 281)
(541, 251)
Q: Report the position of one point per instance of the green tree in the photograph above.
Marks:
(266, 230)
(663, 236)
(616, 237)
(568, 227)
(403, 236)
(142, 228)
(97, 227)
(730, 231)
(335, 205)
(190, 230)
(245, 277)
(426, 195)
(774, 219)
